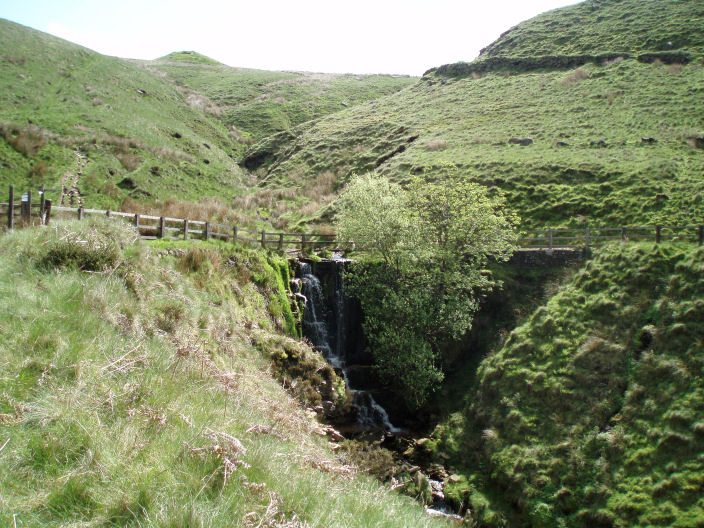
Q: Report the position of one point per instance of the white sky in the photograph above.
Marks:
(363, 36)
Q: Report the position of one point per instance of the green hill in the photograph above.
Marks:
(606, 26)
(162, 136)
(257, 103)
(105, 126)
(616, 141)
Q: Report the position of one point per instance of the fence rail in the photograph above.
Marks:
(157, 227)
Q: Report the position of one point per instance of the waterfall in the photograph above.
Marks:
(326, 323)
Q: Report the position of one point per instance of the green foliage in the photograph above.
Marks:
(374, 216)
(427, 247)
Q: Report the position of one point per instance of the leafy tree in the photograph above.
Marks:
(426, 249)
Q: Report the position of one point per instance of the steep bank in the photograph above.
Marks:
(136, 387)
(588, 414)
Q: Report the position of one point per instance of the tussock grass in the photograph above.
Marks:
(133, 395)
(589, 408)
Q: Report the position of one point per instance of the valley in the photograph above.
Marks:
(427, 363)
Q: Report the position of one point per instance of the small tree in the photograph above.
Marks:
(426, 249)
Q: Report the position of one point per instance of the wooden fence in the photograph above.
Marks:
(594, 236)
(154, 227)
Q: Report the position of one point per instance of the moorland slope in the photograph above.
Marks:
(616, 140)
(258, 103)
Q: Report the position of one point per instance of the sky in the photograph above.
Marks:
(332, 36)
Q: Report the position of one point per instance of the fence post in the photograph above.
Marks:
(264, 239)
(11, 208)
(658, 234)
(80, 212)
(207, 230)
(161, 227)
(587, 239)
(550, 239)
(701, 235)
(107, 213)
(42, 204)
(235, 233)
(303, 242)
(47, 211)
(185, 229)
(623, 233)
(136, 222)
(26, 207)
(281, 241)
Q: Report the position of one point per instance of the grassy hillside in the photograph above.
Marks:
(606, 26)
(618, 142)
(589, 414)
(106, 127)
(257, 103)
(137, 389)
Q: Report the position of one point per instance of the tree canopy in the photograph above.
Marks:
(425, 248)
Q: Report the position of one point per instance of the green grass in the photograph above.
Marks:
(123, 119)
(158, 135)
(190, 56)
(258, 103)
(606, 26)
(564, 178)
(588, 414)
(121, 390)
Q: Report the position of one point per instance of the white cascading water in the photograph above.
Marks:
(315, 327)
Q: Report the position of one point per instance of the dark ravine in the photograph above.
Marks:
(332, 322)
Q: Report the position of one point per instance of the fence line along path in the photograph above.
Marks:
(155, 227)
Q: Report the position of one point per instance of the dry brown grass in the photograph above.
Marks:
(617, 60)
(576, 76)
(239, 136)
(202, 103)
(37, 171)
(129, 161)
(611, 96)
(436, 144)
(209, 209)
(674, 68)
(323, 186)
(17, 61)
(27, 140)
